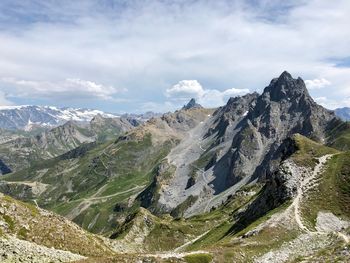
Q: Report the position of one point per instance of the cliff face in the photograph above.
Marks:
(284, 108)
(244, 141)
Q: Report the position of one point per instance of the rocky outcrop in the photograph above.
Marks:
(16, 250)
(284, 108)
(227, 116)
(192, 104)
(4, 169)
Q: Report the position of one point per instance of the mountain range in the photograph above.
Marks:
(264, 178)
(343, 113)
(31, 117)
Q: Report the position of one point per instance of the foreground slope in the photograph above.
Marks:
(30, 234)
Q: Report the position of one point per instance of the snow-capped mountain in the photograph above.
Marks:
(27, 117)
(343, 113)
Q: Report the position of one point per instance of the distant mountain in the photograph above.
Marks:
(19, 150)
(192, 104)
(343, 113)
(30, 117)
(142, 117)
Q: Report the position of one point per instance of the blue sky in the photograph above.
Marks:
(134, 56)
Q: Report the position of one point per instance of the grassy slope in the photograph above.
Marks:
(226, 212)
(167, 233)
(115, 166)
(28, 150)
(339, 136)
(24, 152)
(308, 151)
(332, 193)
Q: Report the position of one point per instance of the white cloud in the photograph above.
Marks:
(149, 45)
(317, 83)
(187, 89)
(3, 99)
(69, 88)
(333, 104)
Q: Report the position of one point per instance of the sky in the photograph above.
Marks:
(137, 56)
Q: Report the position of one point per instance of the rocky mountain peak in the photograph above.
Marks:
(238, 101)
(285, 87)
(192, 104)
(286, 75)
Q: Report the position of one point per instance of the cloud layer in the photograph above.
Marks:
(317, 83)
(97, 49)
(186, 89)
(68, 89)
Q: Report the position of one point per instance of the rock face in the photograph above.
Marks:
(192, 104)
(343, 113)
(242, 142)
(284, 108)
(4, 169)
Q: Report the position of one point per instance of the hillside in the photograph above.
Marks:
(86, 184)
(301, 215)
(19, 150)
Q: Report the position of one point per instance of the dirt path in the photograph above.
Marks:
(305, 185)
(87, 202)
(201, 170)
(190, 242)
(175, 255)
(94, 197)
(310, 240)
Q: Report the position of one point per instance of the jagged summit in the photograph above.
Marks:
(286, 87)
(192, 104)
(285, 75)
